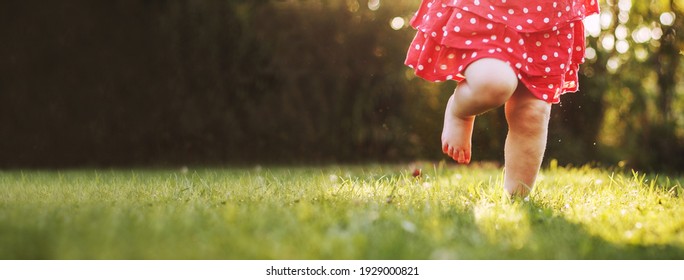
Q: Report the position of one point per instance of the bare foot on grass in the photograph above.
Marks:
(457, 134)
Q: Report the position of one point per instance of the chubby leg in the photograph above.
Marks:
(488, 84)
(528, 120)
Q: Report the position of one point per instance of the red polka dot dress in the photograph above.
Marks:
(542, 40)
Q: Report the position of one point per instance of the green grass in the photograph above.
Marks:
(338, 212)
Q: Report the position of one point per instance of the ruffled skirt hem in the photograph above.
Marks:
(449, 37)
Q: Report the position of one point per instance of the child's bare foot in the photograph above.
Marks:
(457, 134)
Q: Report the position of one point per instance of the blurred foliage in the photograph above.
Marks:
(297, 81)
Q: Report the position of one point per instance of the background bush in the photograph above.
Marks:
(113, 83)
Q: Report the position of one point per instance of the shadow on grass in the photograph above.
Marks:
(563, 239)
(538, 235)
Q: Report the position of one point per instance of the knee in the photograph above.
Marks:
(492, 80)
(496, 90)
(529, 118)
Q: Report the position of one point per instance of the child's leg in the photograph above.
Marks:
(528, 120)
(488, 84)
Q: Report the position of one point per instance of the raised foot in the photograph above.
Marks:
(457, 135)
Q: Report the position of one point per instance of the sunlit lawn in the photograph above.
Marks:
(338, 212)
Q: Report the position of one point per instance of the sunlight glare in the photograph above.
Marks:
(622, 46)
(667, 18)
(590, 53)
(606, 19)
(373, 5)
(640, 53)
(608, 42)
(623, 17)
(397, 23)
(613, 64)
(656, 33)
(621, 32)
(641, 35)
(625, 5)
(592, 27)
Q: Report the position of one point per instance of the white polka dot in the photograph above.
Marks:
(459, 15)
(485, 40)
(457, 29)
(504, 17)
(430, 60)
(473, 21)
(509, 50)
(546, 35)
(550, 86)
(555, 4)
(518, 65)
(510, 11)
(546, 20)
(439, 14)
(567, 9)
(518, 27)
(492, 51)
(547, 70)
(524, 55)
(493, 37)
(438, 48)
(473, 55)
(544, 57)
(538, 44)
(530, 60)
(451, 56)
(490, 16)
(578, 48)
(507, 40)
(434, 34)
(545, 96)
(521, 42)
(410, 65)
(490, 26)
(477, 2)
(450, 77)
(525, 10)
(460, 68)
(443, 67)
(529, 20)
(468, 42)
(463, 56)
(421, 67)
(562, 66)
(539, 8)
(555, 54)
(417, 47)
